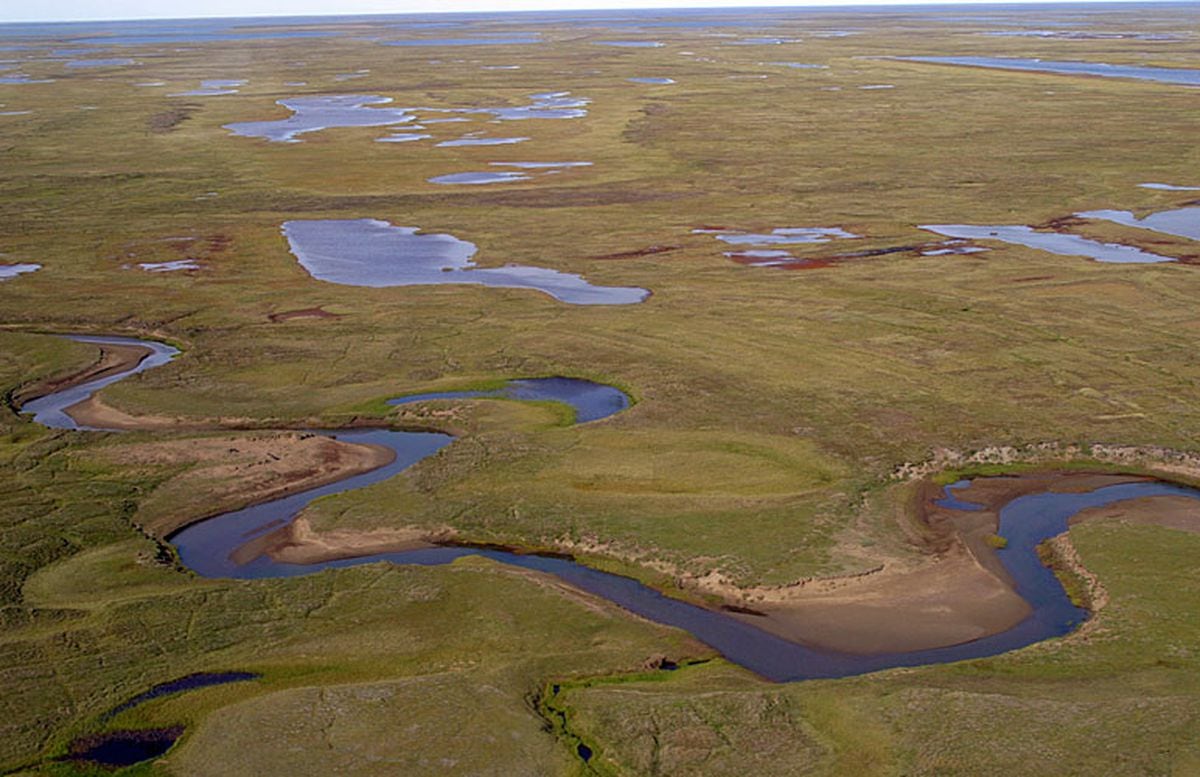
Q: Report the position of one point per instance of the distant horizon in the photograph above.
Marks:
(194, 10)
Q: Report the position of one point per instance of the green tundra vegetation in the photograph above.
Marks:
(771, 406)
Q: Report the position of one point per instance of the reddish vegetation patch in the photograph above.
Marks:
(288, 315)
(1062, 224)
(173, 249)
(647, 251)
(711, 228)
(218, 243)
(783, 263)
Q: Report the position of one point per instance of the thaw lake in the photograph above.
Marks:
(369, 252)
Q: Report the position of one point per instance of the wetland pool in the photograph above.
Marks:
(369, 252)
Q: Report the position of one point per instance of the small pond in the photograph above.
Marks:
(13, 270)
(214, 87)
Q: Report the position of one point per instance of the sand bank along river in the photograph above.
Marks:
(239, 544)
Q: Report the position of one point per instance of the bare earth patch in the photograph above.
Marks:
(232, 471)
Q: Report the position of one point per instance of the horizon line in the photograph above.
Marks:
(613, 8)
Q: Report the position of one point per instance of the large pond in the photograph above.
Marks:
(1165, 75)
(369, 252)
(1054, 242)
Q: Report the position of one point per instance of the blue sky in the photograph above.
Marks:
(53, 10)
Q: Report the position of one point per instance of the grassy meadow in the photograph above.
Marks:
(771, 406)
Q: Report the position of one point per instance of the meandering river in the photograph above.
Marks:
(209, 547)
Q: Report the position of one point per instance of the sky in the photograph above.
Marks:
(69, 10)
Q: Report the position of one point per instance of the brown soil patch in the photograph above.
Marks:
(167, 121)
(647, 251)
(1062, 224)
(232, 471)
(112, 359)
(288, 315)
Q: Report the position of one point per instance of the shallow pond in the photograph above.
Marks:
(1182, 222)
(798, 65)
(631, 44)
(470, 140)
(761, 41)
(173, 266)
(313, 114)
(13, 270)
(213, 88)
(475, 179)
(368, 252)
(23, 78)
(651, 80)
(321, 112)
(1167, 187)
(510, 40)
(87, 63)
(526, 171)
(1164, 75)
(1054, 242)
(782, 236)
